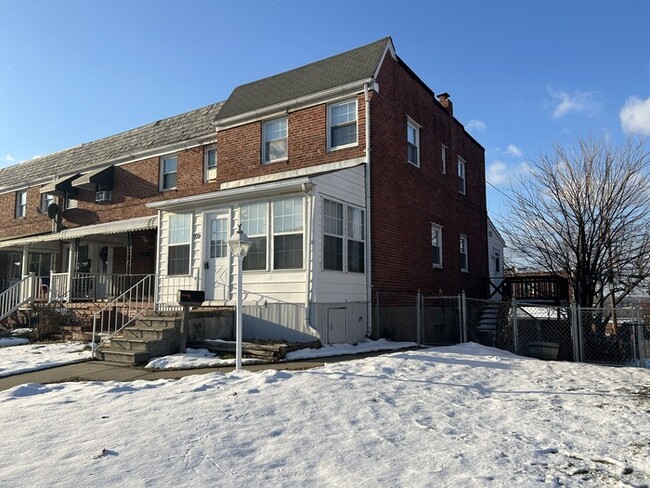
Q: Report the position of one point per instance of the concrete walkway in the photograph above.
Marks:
(104, 371)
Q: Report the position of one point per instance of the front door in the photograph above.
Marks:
(217, 279)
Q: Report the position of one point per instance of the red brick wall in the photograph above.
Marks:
(407, 199)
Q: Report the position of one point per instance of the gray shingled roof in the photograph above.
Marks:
(355, 65)
(164, 132)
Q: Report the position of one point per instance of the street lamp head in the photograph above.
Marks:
(239, 243)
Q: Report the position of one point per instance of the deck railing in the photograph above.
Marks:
(91, 286)
(123, 310)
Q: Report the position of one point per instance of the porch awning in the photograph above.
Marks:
(61, 185)
(102, 177)
(138, 223)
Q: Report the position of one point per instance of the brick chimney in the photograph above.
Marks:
(444, 100)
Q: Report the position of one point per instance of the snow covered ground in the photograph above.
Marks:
(461, 416)
(21, 356)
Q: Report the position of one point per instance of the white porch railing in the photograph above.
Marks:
(90, 286)
(17, 295)
(122, 311)
(168, 287)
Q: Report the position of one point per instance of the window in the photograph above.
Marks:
(356, 238)
(461, 176)
(342, 124)
(275, 140)
(46, 200)
(287, 233)
(218, 238)
(443, 156)
(497, 262)
(70, 201)
(210, 160)
(413, 140)
(463, 253)
(21, 204)
(178, 259)
(341, 225)
(168, 166)
(436, 245)
(254, 224)
(332, 235)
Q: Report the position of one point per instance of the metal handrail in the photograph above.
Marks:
(122, 311)
(14, 297)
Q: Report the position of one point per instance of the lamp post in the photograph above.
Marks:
(239, 243)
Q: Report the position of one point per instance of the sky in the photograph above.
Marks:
(458, 416)
(522, 75)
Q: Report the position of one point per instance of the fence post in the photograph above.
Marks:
(581, 342)
(464, 316)
(639, 327)
(515, 331)
(418, 316)
(575, 333)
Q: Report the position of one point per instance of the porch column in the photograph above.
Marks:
(24, 271)
(73, 256)
(129, 252)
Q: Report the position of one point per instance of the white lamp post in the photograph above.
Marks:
(239, 243)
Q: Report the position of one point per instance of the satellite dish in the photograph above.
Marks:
(53, 210)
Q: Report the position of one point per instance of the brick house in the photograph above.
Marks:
(348, 174)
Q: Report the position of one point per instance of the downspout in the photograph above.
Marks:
(368, 233)
(157, 273)
(307, 188)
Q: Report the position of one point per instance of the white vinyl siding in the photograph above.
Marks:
(342, 124)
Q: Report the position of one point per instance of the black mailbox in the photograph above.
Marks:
(193, 298)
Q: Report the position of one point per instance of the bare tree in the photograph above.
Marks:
(584, 211)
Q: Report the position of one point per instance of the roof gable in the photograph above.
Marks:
(354, 65)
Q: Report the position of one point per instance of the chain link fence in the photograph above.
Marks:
(568, 333)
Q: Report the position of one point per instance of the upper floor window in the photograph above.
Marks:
(168, 166)
(497, 262)
(275, 140)
(443, 157)
(436, 245)
(46, 200)
(178, 252)
(462, 184)
(342, 124)
(210, 161)
(413, 140)
(21, 204)
(463, 253)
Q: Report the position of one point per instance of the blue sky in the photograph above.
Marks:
(522, 74)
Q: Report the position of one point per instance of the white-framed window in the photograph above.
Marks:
(436, 245)
(356, 247)
(218, 238)
(288, 217)
(462, 183)
(274, 140)
(168, 167)
(46, 200)
(413, 142)
(254, 221)
(343, 237)
(178, 250)
(210, 162)
(443, 157)
(342, 124)
(463, 253)
(21, 204)
(70, 201)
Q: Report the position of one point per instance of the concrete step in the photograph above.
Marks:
(158, 322)
(153, 347)
(151, 333)
(123, 357)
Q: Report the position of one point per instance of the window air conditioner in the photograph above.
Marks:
(103, 197)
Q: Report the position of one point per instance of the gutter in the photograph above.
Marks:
(368, 220)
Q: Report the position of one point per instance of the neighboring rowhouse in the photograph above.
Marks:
(348, 174)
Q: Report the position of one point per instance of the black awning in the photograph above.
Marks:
(101, 177)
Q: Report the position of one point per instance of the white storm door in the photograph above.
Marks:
(217, 278)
